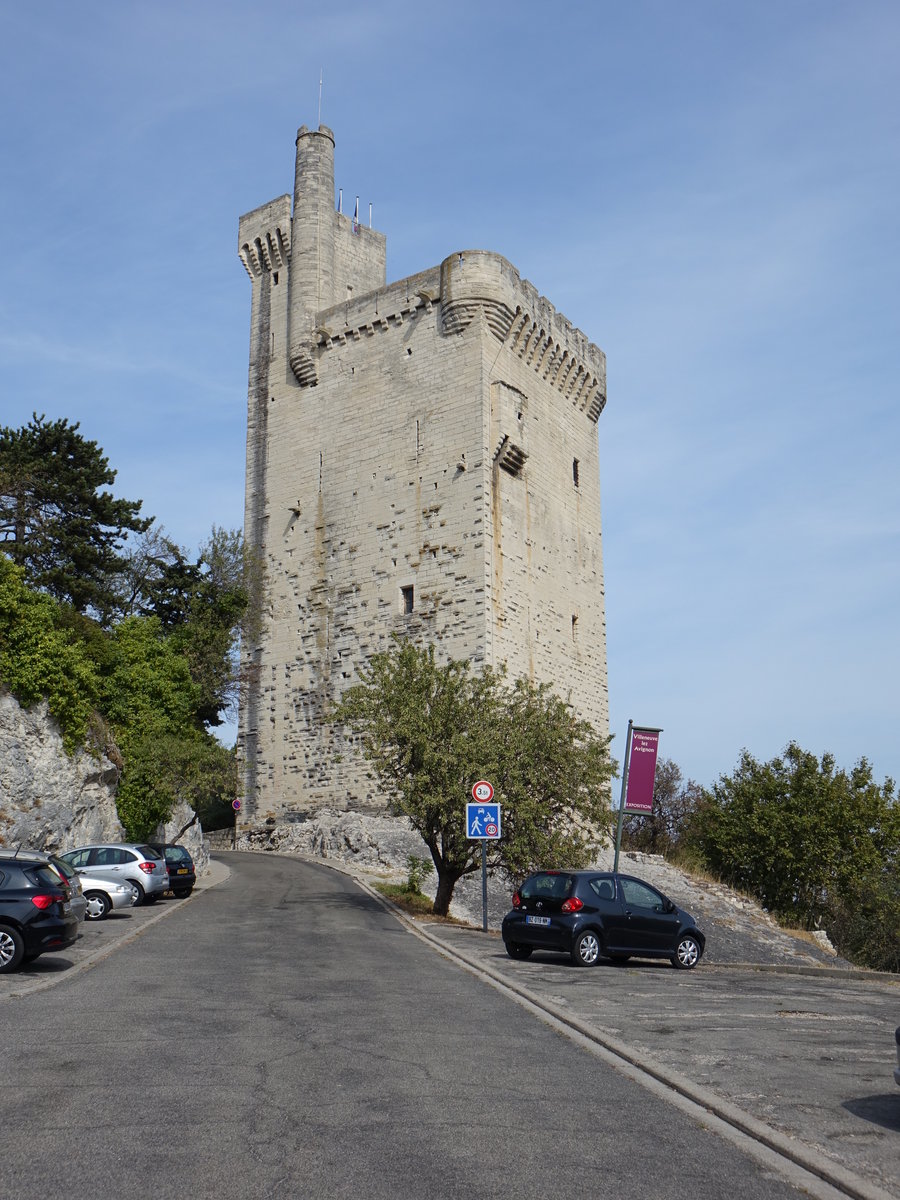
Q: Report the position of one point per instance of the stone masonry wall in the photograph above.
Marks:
(374, 486)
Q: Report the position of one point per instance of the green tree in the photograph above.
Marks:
(864, 922)
(56, 521)
(41, 657)
(201, 604)
(797, 833)
(130, 690)
(432, 730)
(163, 769)
(216, 617)
(674, 803)
(149, 687)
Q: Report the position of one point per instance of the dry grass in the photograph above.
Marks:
(414, 904)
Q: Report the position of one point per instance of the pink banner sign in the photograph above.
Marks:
(641, 770)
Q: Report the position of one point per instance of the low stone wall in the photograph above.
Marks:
(220, 839)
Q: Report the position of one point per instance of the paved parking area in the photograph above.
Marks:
(810, 1054)
(98, 939)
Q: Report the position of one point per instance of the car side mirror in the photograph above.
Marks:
(668, 907)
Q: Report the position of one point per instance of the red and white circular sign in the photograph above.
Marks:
(482, 791)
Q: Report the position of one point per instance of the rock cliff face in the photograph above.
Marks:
(48, 800)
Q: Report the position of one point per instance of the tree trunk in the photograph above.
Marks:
(447, 881)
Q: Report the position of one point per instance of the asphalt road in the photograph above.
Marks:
(282, 1034)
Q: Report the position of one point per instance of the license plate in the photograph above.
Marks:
(537, 920)
(182, 871)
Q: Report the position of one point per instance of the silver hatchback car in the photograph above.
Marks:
(134, 863)
(96, 897)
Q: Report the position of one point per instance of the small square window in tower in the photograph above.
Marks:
(407, 599)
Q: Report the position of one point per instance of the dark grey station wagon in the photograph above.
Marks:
(599, 914)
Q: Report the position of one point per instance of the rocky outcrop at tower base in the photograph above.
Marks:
(49, 800)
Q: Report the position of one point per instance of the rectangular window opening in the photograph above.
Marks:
(407, 599)
(574, 628)
(575, 471)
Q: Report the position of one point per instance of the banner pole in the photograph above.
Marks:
(622, 797)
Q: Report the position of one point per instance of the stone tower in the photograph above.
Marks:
(422, 459)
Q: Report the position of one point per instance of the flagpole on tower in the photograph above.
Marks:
(321, 88)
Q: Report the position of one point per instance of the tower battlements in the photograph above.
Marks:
(473, 281)
(264, 237)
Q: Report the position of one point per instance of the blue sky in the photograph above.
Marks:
(708, 190)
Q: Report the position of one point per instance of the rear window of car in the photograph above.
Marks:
(148, 852)
(177, 854)
(556, 884)
(46, 877)
(65, 869)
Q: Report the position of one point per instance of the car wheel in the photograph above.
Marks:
(586, 950)
(183, 893)
(98, 905)
(12, 948)
(687, 953)
(139, 893)
(518, 950)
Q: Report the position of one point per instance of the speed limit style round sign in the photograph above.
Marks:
(483, 791)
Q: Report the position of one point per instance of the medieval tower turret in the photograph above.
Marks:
(422, 459)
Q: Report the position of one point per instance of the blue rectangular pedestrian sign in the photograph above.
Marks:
(483, 822)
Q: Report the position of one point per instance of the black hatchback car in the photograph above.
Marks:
(180, 865)
(599, 914)
(35, 916)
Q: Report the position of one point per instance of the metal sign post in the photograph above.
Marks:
(236, 805)
(622, 797)
(483, 825)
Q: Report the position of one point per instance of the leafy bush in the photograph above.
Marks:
(817, 846)
(417, 870)
(41, 658)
